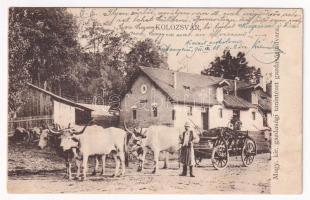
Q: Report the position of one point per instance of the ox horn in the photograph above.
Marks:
(54, 132)
(82, 131)
(129, 131)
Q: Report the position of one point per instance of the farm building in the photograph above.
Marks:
(257, 95)
(160, 96)
(46, 107)
(103, 115)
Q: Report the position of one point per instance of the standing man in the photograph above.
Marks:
(187, 150)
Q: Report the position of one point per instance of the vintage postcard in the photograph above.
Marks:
(155, 100)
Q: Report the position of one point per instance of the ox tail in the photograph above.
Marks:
(126, 139)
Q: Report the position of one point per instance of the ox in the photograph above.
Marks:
(53, 138)
(96, 140)
(158, 139)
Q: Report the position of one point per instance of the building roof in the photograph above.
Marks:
(98, 109)
(235, 102)
(59, 98)
(241, 85)
(191, 88)
(264, 100)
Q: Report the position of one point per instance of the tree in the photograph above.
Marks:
(230, 67)
(115, 56)
(18, 66)
(144, 53)
(42, 48)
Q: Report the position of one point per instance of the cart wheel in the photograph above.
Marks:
(220, 156)
(248, 152)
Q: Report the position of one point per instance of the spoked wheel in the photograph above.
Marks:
(220, 156)
(248, 152)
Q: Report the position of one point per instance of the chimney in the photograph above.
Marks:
(235, 85)
(269, 88)
(254, 98)
(174, 85)
(262, 83)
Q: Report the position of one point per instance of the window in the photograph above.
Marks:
(253, 115)
(143, 88)
(134, 113)
(173, 114)
(154, 108)
(186, 87)
(190, 111)
(221, 112)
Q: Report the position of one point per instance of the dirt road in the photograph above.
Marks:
(233, 179)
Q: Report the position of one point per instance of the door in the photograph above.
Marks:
(205, 119)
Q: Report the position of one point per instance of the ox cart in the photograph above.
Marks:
(219, 144)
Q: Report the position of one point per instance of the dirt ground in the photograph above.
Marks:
(233, 179)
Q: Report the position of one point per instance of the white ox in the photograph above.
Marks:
(96, 140)
(158, 139)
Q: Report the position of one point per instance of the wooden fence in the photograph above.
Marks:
(28, 122)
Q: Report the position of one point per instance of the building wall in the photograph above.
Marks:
(248, 123)
(38, 104)
(63, 114)
(143, 103)
(216, 120)
(269, 119)
(182, 115)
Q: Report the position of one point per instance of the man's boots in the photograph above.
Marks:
(191, 171)
(184, 172)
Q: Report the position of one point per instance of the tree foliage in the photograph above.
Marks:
(116, 55)
(230, 67)
(144, 53)
(74, 56)
(42, 48)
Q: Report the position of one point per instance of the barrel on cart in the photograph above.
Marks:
(218, 144)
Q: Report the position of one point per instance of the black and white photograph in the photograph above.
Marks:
(154, 100)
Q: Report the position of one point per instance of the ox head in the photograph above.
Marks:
(136, 139)
(46, 134)
(43, 138)
(69, 138)
(135, 134)
(54, 136)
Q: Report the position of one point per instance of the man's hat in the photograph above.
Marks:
(187, 124)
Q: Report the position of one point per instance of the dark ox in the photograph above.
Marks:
(156, 138)
(96, 140)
